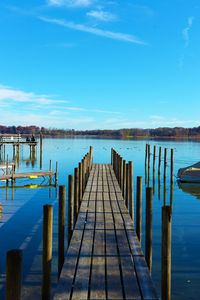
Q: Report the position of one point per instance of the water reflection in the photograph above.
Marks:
(190, 188)
(18, 158)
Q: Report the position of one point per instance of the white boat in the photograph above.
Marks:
(190, 173)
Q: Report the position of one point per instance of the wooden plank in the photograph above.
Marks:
(81, 283)
(128, 274)
(64, 286)
(114, 285)
(98, 287)
(144, 278)
(26, 175)
(67, 276)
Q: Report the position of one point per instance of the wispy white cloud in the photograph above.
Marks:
(93, 30)
(101, 15)
(74, 108)
(186, 30)
(154, 117)
(72, 3)
(105, 111)
(10, 94)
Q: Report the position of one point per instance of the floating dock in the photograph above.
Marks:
(104, 258)
(31, 175)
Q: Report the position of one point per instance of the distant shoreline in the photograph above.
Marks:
(125, 133)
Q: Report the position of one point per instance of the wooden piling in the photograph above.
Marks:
(41, 139)
(121, 172)
(47, 251)
(166, 254)
(148, 228)
(70, 208)
(50, 170)
(149, 157)
(56, 175)
(13, 275)
(165, 164)
(80, 184)
(172, 164)
(7, 170)
(127, 186)
(76, 194)
(83, 175)
(131, 209)
(154, 158)
(91, 157)
(139, 208)
(146, 154)
(124, 179)
(159, 160)
(61, 228)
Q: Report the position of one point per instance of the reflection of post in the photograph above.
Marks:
(139, 207)
(7, 169)
(171, 197)
(30, 152)
(18, 155)
(166, 253)
(13, 152)
(164, 191)
(159, 186)
(148, 228)
(6, 190)
(145, 175)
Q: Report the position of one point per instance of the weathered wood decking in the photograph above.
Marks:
(104, 259)
(27, 175)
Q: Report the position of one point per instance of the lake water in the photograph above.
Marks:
(22, 209)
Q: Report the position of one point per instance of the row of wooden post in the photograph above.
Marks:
(124, 175)
(76, 190)
(147, 161)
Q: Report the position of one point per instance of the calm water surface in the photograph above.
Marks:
(22, 209)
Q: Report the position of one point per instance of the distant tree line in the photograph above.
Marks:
(131, 132)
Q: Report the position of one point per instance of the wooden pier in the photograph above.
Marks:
(104, 258)
(30, 175)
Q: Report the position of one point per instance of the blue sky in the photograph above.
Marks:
(95, 64)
